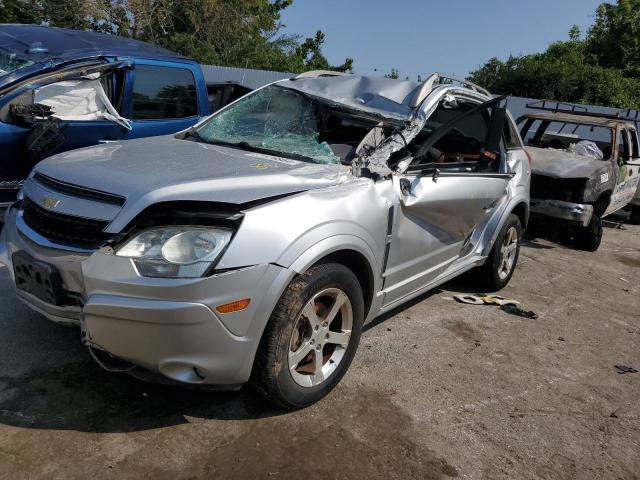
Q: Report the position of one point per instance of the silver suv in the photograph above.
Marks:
(256, 244)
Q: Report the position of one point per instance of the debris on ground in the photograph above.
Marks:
(520, 312)
(624, 369)
(614, 414)
(507, 305)
(561, 339)
(623, 279)
(481, 299)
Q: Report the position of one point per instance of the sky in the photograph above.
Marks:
(426, 36)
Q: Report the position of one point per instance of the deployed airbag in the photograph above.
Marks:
(83, 100)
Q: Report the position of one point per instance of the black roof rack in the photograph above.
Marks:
(629, 114)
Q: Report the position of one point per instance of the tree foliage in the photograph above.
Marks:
(603, 68)
(238, 33)
(394, 74)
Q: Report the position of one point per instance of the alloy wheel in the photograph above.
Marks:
(508, 253)
(320, 337)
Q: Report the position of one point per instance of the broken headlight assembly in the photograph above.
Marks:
(176, 251)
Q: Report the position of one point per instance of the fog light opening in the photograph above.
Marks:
(235, 306)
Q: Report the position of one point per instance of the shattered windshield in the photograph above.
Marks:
(10, 62)
(277, 120)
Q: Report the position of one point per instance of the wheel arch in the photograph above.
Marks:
(352, 252)
(602, 202)
(521, 210)
(358, 264)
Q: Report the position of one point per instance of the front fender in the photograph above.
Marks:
(333, 244)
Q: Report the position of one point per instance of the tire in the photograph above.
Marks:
(301, 334)
(496, 272)
(588, 238)
(634, 215)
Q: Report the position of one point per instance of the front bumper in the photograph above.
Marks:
(168, 326)
(575, 212)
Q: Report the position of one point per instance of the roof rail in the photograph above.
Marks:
(438, 79)
(424, 90)
(449, 79)
(319, 73)
(628, 114)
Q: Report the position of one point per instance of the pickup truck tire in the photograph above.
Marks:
(588, 238)
(311, 337)
(499, 266)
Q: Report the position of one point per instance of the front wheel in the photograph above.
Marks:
(498, 269)
(588, 238)
(311, 337)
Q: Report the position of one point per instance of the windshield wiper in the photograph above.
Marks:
(253, 148)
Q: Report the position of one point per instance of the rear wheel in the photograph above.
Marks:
(498, 269)
(311, 337)
(588, 238)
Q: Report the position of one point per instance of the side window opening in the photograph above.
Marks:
(113, 85)
(461, 148)
(91, 98)
(635, 153)
(623, 146)
(163, 93)
(511, 135)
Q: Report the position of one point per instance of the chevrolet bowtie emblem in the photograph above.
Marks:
(49, 203)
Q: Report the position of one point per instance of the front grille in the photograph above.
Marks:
(565, 189)
(62, 228)
(82, 192)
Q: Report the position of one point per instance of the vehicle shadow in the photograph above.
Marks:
(556, 233)
(48, 380)
(82, 396)
(532, 243)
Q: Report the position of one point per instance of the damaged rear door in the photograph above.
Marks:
(627, 161)
(456, 181)
(92, 105)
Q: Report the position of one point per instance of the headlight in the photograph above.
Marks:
(176, 252)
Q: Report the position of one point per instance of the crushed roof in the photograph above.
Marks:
(379, 95)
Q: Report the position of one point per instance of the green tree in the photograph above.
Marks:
(239, 33)
(603, 68)
(393, 74)
(614, 38)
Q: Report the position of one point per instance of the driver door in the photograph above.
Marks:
(628, 164)
(455, 184)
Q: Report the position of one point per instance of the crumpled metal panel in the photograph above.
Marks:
(382, 96)
(377, 161)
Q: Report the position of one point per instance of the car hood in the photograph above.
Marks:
(556, 163)
(159, 169)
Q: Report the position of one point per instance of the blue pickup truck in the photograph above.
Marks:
(63, 89)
